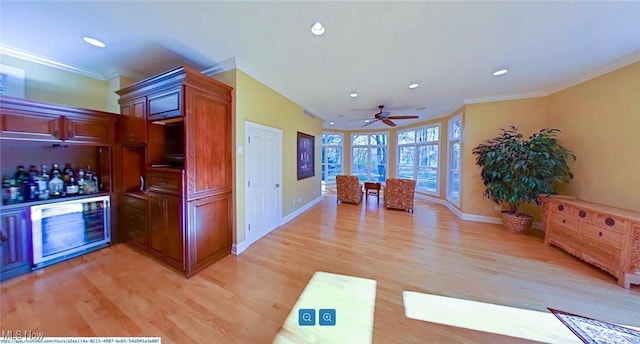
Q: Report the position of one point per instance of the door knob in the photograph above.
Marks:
(277, 185)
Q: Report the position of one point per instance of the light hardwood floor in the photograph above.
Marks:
(245, 299)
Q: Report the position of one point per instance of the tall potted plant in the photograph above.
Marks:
(517, 170)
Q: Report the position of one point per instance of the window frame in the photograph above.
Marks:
(416, 162)
(324, 165)
(369, 146)
(450, 142)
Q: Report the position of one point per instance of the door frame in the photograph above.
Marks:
(278, 132)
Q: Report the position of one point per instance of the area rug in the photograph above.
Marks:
(592, 331)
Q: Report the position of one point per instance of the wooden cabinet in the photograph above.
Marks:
(606, 237)
(190, 207)
(30, 121)
(134, 121)
(15, 243)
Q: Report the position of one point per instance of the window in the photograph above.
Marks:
(369, 156)
(454, 138)
(331, 156)
(418, 157)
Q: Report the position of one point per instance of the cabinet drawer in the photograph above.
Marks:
(564, 222)
(165, 182)
(136, 203)
(582, 214)
(604, 235)
(610, 222)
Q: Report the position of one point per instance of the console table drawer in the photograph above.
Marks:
(582, 214)
(604, 235)
(610, 222)
(565, 222)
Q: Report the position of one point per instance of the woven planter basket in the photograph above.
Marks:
(517, 224)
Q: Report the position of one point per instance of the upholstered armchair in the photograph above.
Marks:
(349, 189)
(399, 193)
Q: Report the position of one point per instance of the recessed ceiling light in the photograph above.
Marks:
(366, 121)
(500, 72)
(421, 108)
(413, 85)
(353, 95)
(331, 123)
(94, 42)
(317, 29)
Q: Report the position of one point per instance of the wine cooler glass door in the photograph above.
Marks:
(67, 229)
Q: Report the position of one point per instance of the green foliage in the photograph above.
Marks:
(516, 171)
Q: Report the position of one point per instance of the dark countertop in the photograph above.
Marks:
(18, 205)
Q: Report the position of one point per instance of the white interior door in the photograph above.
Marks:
(263, 184)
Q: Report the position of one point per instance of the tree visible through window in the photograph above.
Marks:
(418, 157)
(369, 156)
(332, 145)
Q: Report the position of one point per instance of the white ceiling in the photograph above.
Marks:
(374, 48)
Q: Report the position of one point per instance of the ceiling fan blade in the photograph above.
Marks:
(403, 117)
(388, 122)
(369, 123)
(385, 114)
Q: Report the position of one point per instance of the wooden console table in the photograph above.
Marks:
(374, 188)
(606, 237)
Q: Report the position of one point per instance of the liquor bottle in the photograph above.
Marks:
(80, 180)
(94, 181)
(22, 180)
(43, 182)
(72, 186)
(55, 169)
(67, 173)
(56, 184)
(33, 188)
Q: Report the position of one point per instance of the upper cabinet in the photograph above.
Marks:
(27, 120)
(134, 121)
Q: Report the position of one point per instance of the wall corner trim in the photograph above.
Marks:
(239, 247)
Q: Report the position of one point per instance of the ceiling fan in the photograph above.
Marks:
(385, 118)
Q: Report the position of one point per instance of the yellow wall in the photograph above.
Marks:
(52, 85)
(260, 104)
(600, 119)
(483, 121)
(114, 84)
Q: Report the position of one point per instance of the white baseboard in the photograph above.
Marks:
(240, 247)
(469, 217)
(300, 210)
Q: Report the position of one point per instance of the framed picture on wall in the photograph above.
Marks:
(306, 159)
(11, 81)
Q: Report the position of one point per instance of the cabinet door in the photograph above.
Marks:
(166, 104)
(208, 125)
(88, 130)
(31, 127)
(15, 257)
(157, 224)
(134, 221)
(134, 121)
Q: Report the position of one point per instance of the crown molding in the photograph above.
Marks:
(610, 67)
(23, 55)
(221, 67)
(525, 95)
(117, 72)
